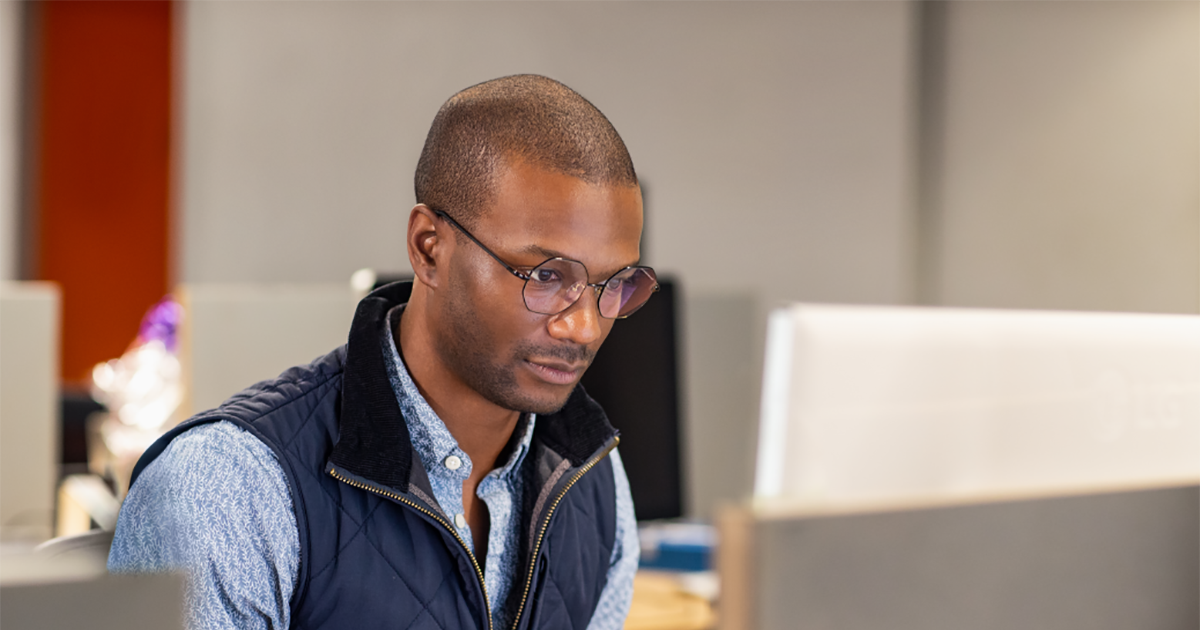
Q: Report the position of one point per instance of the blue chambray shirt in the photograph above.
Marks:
(216, 504)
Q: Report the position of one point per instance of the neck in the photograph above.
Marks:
(481, 428)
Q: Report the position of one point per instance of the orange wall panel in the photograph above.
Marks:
(103, 172)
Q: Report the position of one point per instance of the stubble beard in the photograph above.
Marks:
(468, 352)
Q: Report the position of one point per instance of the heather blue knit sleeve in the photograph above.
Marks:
(216, 505)
(614, 602)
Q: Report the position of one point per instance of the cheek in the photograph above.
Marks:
(472, 281)
(501, 314)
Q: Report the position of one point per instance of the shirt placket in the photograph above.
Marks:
(495, 492)
(452, 469)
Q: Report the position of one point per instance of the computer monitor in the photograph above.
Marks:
(635, 377)
(865, 403)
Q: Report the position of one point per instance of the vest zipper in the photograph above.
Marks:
(395, 497)
(546, 523)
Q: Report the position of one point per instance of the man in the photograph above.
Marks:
(443, 469)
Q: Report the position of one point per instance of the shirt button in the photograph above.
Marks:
(460, 521)
(453, 463)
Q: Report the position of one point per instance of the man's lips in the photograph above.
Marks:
(556, 372)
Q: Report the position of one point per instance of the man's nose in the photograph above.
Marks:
(580, 323)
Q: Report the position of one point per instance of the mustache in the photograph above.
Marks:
(569, 353)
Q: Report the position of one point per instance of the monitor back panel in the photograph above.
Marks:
(29, 383)
(109, 602)
(1114, 561)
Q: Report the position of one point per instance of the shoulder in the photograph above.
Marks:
(216, 504)
(213, 471)
(214, 490)
(310, 383)
(613, 605)
(615, 456)
(268, 412)
(219, 453)
(624, 497)
(619, 477)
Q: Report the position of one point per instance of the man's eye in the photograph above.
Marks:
(546, 275)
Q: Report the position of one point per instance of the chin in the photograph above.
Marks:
(539, 402)
(545, 405)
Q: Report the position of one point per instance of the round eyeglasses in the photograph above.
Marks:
(553, 286)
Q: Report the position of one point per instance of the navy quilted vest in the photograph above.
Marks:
(376, 551)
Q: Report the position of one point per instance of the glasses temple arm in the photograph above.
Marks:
(449, 219)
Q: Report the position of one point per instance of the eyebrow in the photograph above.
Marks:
(542, 251)
(550, 253)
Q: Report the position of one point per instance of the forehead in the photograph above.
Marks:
(536, 213)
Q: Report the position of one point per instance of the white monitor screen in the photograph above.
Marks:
(897, 403)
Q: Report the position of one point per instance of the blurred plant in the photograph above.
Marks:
(143, 388)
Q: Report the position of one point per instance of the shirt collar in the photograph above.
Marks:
(430, 437)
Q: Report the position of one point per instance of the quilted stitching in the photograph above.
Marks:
(350, 540)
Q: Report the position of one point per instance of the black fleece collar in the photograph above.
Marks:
(373, 440)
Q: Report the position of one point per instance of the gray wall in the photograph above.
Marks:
(1069, 170)
(774, 134)
(774, 140)
(10, 76)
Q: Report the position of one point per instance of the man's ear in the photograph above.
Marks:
(427, 244)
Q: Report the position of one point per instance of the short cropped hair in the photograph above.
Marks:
(521, 118)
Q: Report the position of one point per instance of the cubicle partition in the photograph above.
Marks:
(1104, 561)
(235, 335)
(956, 468)
(29, 338)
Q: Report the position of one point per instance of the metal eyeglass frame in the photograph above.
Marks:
(526, 277)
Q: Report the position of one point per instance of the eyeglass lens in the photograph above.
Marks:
(556, 284)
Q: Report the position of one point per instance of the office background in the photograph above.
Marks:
(1000, 154)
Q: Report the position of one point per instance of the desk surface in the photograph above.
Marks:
(660, 604)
